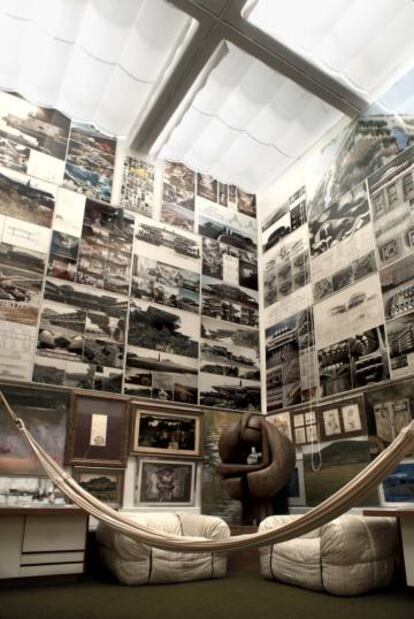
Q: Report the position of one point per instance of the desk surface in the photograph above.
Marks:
(396, 512)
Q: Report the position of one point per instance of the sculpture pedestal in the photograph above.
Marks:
(246, 560)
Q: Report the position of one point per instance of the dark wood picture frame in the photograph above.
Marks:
(346, 407)
(165, 482)
(177, 432)
(98, 430)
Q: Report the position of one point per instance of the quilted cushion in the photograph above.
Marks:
(135, 563)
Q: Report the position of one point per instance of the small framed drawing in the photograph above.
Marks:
(165, 482)
(106, 485)
(98, 430)
(165, 431)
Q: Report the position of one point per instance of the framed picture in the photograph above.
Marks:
(98, 430)
(282, 422)
(107, 485)
(398, 488)
(166, 431)
(165, 482)
(342, 418)
(44, 411)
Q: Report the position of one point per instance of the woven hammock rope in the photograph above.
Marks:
(340, 502)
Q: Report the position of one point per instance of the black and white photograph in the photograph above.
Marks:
(17, 346)
(228, 227)
(339, 221)
(391, 192)
(21, 282)
(229, 392)
(350, 274)
(219, 332)
(165, 284)
(229, 263)
(246, 203)
(13, 155)
(223, 194)
(69, 212)
(61, 331)
(107, 379)
(169, 246)
(207, 187)
(37, 128)
(284, 219)
(18, 490)
(137, 191)
(90, 162)
(22, 197)
(165, 330)
(178, 195)
(225, 359)
(358, 308)
(231, 303)
(63, 372)
(354, 362)
(397, 283)
(400, 335)
(285, 273)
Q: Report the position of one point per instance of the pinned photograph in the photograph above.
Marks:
(22, 197)
(207, 187)
(90, 162)
(178, 195)
(137, 191)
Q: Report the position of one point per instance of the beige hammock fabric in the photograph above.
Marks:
(326, 511)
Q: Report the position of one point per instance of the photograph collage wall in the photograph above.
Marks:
(120, 291)
(338, 298)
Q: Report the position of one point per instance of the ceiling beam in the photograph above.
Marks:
(221, 20)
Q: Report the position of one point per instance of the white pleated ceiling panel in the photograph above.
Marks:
(365, 44)
(247, 123)
(99, 61)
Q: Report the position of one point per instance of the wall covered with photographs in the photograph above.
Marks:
(338, 301)
(117, 275)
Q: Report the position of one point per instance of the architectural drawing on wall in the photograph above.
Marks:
(228, 392)
(137, 191)
(161, 329)
(169, 246)
(227, 302)
(33, 139)
(81, 337)
(354, 362)
(290, 361)
(161, 376)
(391, 192)
(286, 268)
(178, 192)
(400, 335)
(397, 283)
(17, 345)
(165, 284)
(285, 219)
(229, 350)
(101, 257)
(246, 203)
(21, 282)
(90, 162)
(350, 274)
(207, 187)
(229, 263)
(227, 226)
(26, 199)
(339, 221)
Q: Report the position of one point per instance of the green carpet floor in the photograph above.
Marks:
(238, 596)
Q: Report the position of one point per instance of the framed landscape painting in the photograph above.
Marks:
(98, 430)
(106, 485)
(165, 482)
(167, 431)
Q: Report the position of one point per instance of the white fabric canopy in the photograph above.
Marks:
(99, 61)
(247, 123)
(365, 44)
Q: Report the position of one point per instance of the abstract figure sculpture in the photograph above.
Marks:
(256, 485)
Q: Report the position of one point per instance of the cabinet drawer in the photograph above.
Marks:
(51, 570)
(48, 533)
(47, 558)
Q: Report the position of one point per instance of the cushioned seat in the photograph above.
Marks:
(134, 563)
(348, 556)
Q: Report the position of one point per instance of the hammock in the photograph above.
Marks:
(326, 511)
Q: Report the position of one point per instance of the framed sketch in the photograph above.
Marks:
(165, 482)
(351, 417)
(106, 485)
(165, 431)
(331, 422)
(98, 430)
(342, 418)
(282, 422)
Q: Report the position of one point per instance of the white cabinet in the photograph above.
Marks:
(42, 541)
